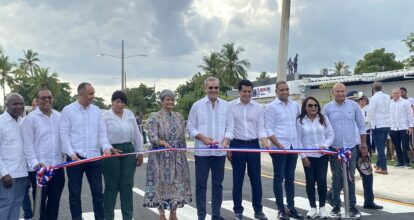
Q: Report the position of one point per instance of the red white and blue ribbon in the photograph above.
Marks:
(344, 155)
(44, 175)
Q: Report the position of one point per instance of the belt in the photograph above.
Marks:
(247, 141)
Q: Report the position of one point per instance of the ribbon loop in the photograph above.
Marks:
(44, 175)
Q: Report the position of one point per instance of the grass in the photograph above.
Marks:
(389, 162)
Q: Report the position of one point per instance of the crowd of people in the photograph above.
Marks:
(46, 137)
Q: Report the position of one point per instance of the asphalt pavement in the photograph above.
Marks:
(392, 210)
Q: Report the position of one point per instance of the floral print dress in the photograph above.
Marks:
(168, 175)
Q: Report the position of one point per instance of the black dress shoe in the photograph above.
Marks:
(292, 213)
(373, 206)
(282, 215)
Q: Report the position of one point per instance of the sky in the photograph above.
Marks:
(176, 34)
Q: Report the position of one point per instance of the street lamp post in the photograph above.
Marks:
(122, 57)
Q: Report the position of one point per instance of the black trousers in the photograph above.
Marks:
(239, 162)
(94, 176)
(203, 165)
(401, 141)
(49, 208)
(316, 173)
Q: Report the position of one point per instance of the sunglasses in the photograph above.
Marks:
(215, 87)
(312, 105)
(43, 98)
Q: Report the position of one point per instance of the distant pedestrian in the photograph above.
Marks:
(379, 117)
(401, 126)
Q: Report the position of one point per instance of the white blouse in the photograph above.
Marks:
(123, 130)
(312, 135)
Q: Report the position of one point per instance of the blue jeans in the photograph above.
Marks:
(94, 176)
(239, 162)
(284, 166)
(27, 204)
(12, 198)
(336, 169)
(203, 165)
(379, 136)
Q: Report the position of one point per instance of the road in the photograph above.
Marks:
(392, 210)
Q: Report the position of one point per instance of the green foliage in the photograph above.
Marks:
(5, 74)
(263, 76)
(409, 41)
(377, 61)
(233, 68)
(142, 99)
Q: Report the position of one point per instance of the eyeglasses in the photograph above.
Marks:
(43, 98)
(215, 87)
(312, 105)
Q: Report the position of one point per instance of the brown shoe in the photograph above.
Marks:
(377, 167)
(380, 171)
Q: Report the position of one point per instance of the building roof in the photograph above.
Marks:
(365, 77)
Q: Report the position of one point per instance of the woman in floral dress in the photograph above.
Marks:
(168, 175)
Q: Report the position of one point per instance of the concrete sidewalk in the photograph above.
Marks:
(398, 185)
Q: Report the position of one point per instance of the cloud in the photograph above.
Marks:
(176, 34)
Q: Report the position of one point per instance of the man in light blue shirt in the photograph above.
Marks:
(344, 115)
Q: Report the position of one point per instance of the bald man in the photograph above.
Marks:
(345, 117)
(13, 167)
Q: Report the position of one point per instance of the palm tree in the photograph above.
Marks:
(233, 68)
(29, 61)
(6, 76)
(340, 67)
(43, 79)
(212, 65)
(263, 76)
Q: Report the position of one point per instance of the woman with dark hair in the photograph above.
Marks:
(314, 131)
(125, 136)
(168, 176)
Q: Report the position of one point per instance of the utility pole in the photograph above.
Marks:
(283, 41)
(122, 68)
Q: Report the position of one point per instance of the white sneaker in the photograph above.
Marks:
(312, 213)
(322, 213)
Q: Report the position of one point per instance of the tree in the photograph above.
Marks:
(64, 98)
(142, 99)
(190, 92)
(377, 61)
(233, 68)
(29, 61)
(262, 77)
(6, 75)
(43, 79)
(409, 41)
(212, 65)
(341, 68)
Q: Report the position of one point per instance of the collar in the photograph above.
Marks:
(78, 105)
(315, 119)
(343, 103)
(10, 118)
(238, 101)
(206, 100)
(278, 101)
(37, 111)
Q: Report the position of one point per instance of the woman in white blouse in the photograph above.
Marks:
(314, 132)
(124, 135)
